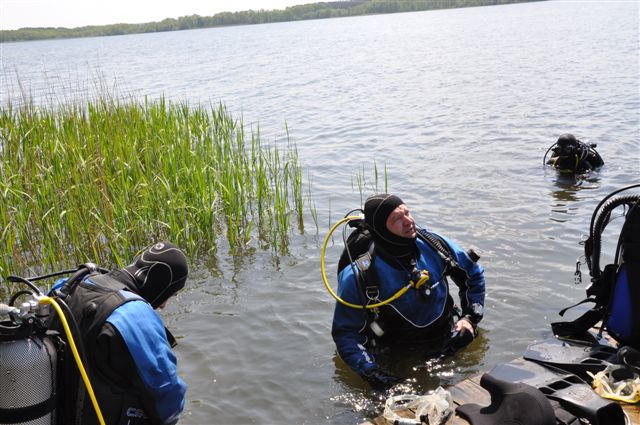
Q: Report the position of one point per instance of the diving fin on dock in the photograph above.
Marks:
(573, 394)
(511, 403)
(575, 359)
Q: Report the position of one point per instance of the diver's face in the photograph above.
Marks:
(401, 223)
(567, 150)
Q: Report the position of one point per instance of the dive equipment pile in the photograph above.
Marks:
(565, 368)
(615, 289)
(33, 353)
(550, 374)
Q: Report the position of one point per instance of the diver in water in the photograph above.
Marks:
(570, 155)
(132, 369)
(425, 316)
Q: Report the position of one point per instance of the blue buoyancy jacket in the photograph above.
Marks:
(412, 318)
(132, 369)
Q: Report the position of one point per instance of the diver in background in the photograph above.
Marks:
(425, 317)
(132, 368)
(570, 155)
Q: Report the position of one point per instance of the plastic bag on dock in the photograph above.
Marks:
(618, 383)
(433, 408)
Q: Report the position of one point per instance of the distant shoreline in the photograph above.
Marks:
(336, 9)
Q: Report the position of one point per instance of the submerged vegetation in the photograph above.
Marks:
(97, 181)
(320, 10)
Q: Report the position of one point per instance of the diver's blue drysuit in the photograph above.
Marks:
(413, 318)
(132, 369)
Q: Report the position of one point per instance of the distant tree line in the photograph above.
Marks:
(248, 17)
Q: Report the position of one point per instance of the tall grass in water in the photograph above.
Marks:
(98, 180)
(367, 187)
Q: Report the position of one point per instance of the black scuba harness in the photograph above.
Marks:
(578, 154)
(368, 281)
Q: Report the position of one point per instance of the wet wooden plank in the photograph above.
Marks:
(633, 411)
(469, 391)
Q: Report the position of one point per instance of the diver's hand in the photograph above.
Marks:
(380, 380)
(459, 339)
(464, 324)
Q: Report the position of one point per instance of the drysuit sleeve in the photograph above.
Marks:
(471, 285)
(349, 326)
(145, 337)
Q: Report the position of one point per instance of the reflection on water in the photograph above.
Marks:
(568, 187)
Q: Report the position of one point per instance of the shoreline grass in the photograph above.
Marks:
(97, 180)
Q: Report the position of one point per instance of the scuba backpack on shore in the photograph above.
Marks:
(615, 290)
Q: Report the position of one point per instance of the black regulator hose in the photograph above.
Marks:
(544, 158)
(60, 273)
(593, 217)
(599, 221)
(82, 271)
(18, 279)
(15, 296)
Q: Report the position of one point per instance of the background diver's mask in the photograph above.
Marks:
(567, 145)
(159, 272)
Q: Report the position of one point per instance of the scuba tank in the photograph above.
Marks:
(28, 372)
(32, 355)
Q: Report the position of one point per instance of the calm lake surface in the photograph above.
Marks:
(460, 105)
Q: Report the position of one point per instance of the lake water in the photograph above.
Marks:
(459, 105)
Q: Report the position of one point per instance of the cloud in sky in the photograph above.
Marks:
(16, 14)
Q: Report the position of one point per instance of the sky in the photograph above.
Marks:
(15, 14)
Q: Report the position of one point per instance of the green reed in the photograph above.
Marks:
(97, 181)
(371, 186)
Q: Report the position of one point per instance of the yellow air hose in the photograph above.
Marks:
(72, 344)
(423, 279)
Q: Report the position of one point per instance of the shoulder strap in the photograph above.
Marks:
(366, 275)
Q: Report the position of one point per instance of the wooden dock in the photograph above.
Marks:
(470, 391)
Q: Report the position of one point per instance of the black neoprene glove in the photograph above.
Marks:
(380, 380)
(458, 340)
